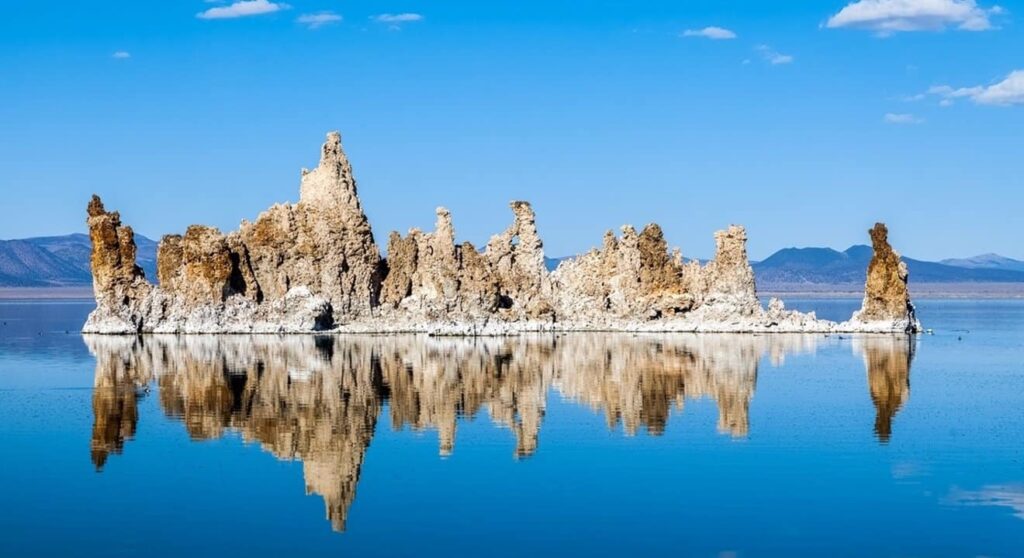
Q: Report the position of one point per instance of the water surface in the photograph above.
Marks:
(696, 445)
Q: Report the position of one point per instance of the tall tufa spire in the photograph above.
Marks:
(331, 182)
(886, 296)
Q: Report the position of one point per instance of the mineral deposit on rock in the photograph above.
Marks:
(315, 266)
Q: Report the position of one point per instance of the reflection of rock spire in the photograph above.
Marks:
(318, 399)
(115, 398)
(115, 411)
(432, 383)
(297, 397)
(888, 362)
(638, 380)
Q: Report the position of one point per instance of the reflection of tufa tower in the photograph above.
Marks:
(116, 391)
(318, 399)
(888, 360)
(299, 398)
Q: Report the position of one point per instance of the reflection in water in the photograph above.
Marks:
(1000, 495)
(318, 399)
(115, 407)
(887, 359)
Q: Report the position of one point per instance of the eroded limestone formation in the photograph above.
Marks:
(119, 284)
(315, 266)
(431, 278)
(886, 296)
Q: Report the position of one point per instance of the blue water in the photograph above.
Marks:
(571, 444)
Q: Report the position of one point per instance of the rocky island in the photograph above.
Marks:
(314, 266)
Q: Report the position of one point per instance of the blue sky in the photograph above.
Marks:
(804, 121)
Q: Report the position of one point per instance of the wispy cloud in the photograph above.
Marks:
(319, 19)
(712, 32)
(886, 17)
(903, 118)
(772, 56)
(395, 21)
(121, 55)
(1009, 91)
(243, 8)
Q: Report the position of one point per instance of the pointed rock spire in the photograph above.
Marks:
(331, 182)
(886, 296)
(729, 278)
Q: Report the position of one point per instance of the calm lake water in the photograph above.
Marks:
(694, 445)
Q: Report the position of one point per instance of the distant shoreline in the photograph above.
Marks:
(783, 291)
(917, 290)
(83, 293)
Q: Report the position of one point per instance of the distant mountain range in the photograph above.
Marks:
(58, 261)
(825, 266)
(828, 266)
(987, 261)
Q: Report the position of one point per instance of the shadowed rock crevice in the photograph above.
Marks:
(314, 265)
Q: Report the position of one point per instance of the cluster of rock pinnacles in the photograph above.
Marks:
(314, 265)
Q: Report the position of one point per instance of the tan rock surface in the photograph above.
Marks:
(315, 265)
(324, 242)
(119, 284)
(729, 279)
(516, 259)
(403, 259)
(886, 297)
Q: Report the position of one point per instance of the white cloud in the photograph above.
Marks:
(713, 33)
(243, 8)
(773, 57)
(893, 118)
(1009, 91)
(318, 19)
(395, 21)
(121, 55)
(397, 18)
(886, 17)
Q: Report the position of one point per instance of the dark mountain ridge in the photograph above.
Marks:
(58, 261)
(828, 266)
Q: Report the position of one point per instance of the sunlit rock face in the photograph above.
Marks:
(318, 399)
(315, 266)
(430, 278)
(886, 296)
(632, 275)
(324, 242)
(120, 285)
